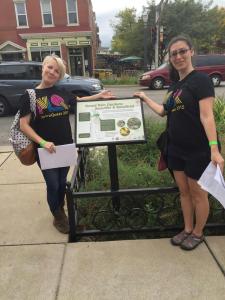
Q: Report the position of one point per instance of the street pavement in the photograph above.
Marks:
(37, 262)
(120, 92)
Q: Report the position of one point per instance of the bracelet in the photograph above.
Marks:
(213, 143)
(42, 143)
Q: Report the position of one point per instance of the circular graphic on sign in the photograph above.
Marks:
(120, 123)
(134, 123)
(124, 131)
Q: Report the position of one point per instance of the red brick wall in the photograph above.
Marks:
(8, 24)
(10, 32)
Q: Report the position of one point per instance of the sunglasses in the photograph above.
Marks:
(181, 52)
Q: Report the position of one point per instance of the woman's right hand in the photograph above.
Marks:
(50, 147)
(217, 158)
(141, 95)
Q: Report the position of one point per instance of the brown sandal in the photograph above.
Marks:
(178, 239)
(191, 242)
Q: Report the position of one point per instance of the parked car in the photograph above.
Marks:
(16, 77)
(213, 65)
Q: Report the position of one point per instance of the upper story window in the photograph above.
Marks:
(46, 11)
(21, 13)
(71, 6)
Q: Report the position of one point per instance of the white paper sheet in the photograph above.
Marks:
(212, 181)
(219, 176)
(65, 155)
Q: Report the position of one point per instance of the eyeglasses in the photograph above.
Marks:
(180, 52)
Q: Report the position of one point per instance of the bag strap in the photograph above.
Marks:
(167, 120)
(32, 95)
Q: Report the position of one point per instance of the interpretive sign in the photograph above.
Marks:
(102, 122)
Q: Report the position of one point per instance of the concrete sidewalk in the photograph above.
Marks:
(36, 262)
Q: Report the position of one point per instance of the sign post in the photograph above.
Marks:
(110, 123)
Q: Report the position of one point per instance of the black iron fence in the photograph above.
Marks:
(154, 212)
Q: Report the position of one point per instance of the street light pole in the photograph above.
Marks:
(158, 13)
(145, 20)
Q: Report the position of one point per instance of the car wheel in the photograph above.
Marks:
(216, 79)
(4, 107)
(157, 83)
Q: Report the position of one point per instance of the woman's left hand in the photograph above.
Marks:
(217, 159)
(106, 94)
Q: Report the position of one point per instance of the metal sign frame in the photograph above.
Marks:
(106, 122)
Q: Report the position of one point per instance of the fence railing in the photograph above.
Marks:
(154, 212)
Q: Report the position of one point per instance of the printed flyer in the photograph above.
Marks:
(109, 121)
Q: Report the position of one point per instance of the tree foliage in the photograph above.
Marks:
(203, 23)
(127, 32)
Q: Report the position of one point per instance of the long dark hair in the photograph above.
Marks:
(174, 75)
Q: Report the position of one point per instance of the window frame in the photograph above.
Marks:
(42, 15)
(17, 15)
(68, 12)
(11, 70)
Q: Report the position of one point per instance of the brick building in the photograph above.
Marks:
(32, 29)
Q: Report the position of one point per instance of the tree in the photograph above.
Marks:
(204, 24)
(128, 37)
(127, 31)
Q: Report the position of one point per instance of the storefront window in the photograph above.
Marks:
(12, 56)
(38, 54)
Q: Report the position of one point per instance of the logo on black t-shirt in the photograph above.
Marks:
(173, 102)
(48, 106)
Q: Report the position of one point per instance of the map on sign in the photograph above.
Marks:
(102, 122)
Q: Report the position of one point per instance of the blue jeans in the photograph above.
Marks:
(56, 186)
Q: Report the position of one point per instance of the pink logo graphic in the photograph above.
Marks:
(58, 101)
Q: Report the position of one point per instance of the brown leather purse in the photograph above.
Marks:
(28, 155)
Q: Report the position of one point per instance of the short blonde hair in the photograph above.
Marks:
(60, 63)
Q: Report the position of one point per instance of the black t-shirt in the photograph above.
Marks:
(52, 114)
(187, 136)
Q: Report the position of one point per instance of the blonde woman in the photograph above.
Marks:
(52, 127)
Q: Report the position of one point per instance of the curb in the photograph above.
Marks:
(121, 85)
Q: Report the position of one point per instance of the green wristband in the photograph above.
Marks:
(213, 143)
(42, 143)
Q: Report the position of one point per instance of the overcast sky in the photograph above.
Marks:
(107, 9)
(105, 12)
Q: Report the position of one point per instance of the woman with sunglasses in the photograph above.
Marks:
(192, 137)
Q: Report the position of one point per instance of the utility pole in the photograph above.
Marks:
(145, 20)
(158, 12)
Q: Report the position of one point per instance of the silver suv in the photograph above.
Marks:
(16, 77)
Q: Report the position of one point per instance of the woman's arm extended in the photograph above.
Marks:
(105, 94)
(208, 122)
(157, 108)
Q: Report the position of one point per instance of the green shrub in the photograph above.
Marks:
(219, 114)
(137, 163)
(124, 79)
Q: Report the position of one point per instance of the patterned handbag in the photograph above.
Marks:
(23, 147)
